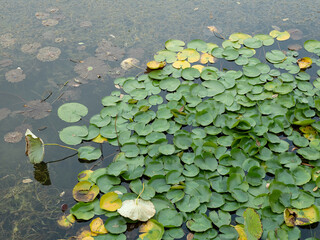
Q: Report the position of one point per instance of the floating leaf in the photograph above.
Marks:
(181, 64)
(72, 112)
(239, 37)
(48, 54)
(85, 191)
(110, 201)
(34, 147)
(129, 63)
(151, 230)
(174, 45)
(116, 224)
(252, 224)
(188, 54)
(312, 45)
(89, 153)
(304, 62)
(137, 209)
(13, 137)
(301, 217)
(66, 221)
(97, 226)
(73, 135)
(156, 65)
(281, 36)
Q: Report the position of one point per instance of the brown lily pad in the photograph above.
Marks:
(129, 63)
(50, 22)
(48, 54)
(37, 109)
(294, 47)
(30, 47)
(13, 137)
(15, 75)
(91, 68)
(107, 51)
(7, 40)
(5, 63)
(295, 34)
(4, 112)
(42, 15)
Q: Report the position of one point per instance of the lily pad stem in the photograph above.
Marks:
(56, 144)
(140, 193)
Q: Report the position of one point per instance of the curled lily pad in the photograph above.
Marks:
(304, 63)
(72, 112)
(137, 209)
(156, 65)
(66, 221)
(97, 226)
(48, 54)
(15, 75)
(85, 191)
(34, 147)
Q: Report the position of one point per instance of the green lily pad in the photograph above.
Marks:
(73, 135)
(116, 224)
(89, 153)
(34, 147)
(174, 45)
(72, 112)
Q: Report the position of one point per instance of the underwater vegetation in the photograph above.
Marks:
(220, 141)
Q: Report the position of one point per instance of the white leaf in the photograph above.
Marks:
(137, 209)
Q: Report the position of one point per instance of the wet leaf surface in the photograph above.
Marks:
(15, 75)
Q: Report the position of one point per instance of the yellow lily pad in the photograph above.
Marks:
(241, 232)
(309, 132)
(280, 36)
(199, 67)
(85, 191)
(156, 65)
(239, 37)
(99, 139)
(84, 175)
(304, 62)
(151, 230)
(301, 217)
(66, 221)
(97, 226)
(181, 64)
(189, 54)
(110, 202)
(206, 57)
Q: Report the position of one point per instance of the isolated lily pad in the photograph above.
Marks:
(91, 68)
(30, 48)
(15, 75)
(72, 112)
(48, 54)
(34, 147)
(13, 137)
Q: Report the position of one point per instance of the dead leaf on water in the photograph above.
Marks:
(15, 75)
(294, 47)
(129, 63)
(212, 29)
(13, 137)
(36, 109)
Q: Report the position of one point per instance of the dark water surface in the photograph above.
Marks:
(135, 29)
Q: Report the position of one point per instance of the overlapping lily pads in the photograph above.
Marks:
(229, 153)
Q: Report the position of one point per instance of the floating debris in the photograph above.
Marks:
(86, 24)
(129, 63)
(42, 15)
(7, 40)
(37, 109)
(5, 63)
(50, 22)
(48, 54)
(27, 180)
(13, 137)
(30, 47)
(15, 75)
(52, 10)
(4, 112)
(107, 51)
(91, 68)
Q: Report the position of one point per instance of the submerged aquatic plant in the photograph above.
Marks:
(203, 144)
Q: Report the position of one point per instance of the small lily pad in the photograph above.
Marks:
(72, 112)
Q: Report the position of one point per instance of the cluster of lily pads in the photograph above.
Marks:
(230, 154)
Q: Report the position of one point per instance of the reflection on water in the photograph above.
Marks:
(53, 52)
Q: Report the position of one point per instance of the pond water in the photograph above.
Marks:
(77, 33)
